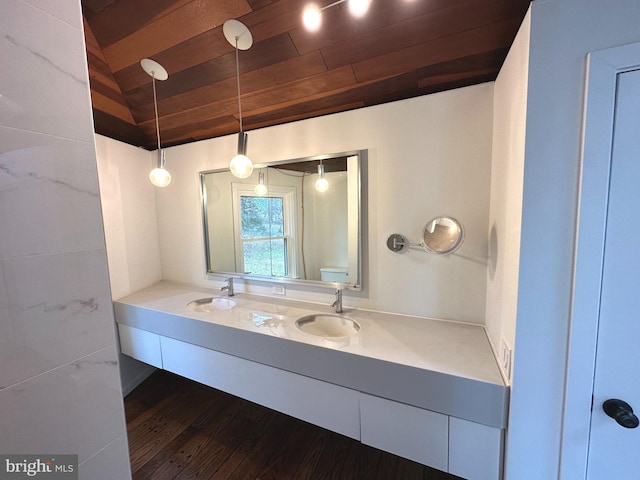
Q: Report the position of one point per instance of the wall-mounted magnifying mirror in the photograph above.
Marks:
(441, 235)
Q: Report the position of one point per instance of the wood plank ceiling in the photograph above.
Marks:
(400, 49)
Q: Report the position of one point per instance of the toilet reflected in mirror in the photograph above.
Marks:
(334, 274)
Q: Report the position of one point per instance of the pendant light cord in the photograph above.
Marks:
(238, 82)
(155, 106)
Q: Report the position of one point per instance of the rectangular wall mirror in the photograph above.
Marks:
(278, 224)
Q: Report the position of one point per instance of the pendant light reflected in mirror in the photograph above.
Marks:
(239, 36)
(261, 188)
(159, 176)
(322, 184)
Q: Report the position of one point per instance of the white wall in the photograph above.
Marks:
(59, 383)
(562, 33)
(507, 172)
(131, 230)
(427, 156)
(326, 224)
(129, 212)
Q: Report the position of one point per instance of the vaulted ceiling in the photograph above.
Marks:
(400, 49)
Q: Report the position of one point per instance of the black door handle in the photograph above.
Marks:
(621, 412)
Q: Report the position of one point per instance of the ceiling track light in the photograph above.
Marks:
(159, 176)
(239, 36)
(312, 14)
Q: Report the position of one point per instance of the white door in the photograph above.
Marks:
(614, 449)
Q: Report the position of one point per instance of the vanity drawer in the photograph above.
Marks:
(475, 450)
(140, 344)
(411, 432)
(321, 403)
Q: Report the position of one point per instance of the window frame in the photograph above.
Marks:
(288, 194)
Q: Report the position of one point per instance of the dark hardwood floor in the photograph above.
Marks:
(179, 429)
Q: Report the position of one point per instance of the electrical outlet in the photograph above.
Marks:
(506, 359)
(279, 290)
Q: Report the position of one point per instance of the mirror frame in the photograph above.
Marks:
(362, 156)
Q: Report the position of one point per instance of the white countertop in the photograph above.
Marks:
(452, 349)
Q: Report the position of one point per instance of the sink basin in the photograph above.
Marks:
(327, 325)
(211, 304)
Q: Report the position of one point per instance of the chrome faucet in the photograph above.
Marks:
(228, 287)
(338, 302)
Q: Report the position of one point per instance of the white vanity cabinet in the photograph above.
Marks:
(321, 403)
(475, 450)
(140, 344)
(413, 433)
(467, 449)
(384, 388)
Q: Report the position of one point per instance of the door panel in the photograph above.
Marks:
(614, 449)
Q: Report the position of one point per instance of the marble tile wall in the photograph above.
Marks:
(59, 382)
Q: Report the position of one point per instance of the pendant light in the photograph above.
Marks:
(261, 188)
(322, 184)
(159, 176)
(239, 36)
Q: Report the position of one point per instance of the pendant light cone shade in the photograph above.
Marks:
(239, 36)
(159, 176)
(322, 184)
